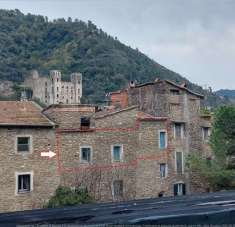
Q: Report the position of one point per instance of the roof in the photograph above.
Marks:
(142, 116)
(184, 88)
(167, 81)
(23, 113)
(103, 114)
(72, 107)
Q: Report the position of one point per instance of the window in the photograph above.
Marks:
(179, 189)
(85, 122)
(57, 88)
(162, 140)
(85, 154)
(117, 153)
(179, 130)
(23, 144)
(23, 182)
(117, 189)
(163, 170)
(206, 133)
(175, 92)
(179, 162)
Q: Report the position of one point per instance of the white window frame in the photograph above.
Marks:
(182, 130)
(166, 170)
(180, 183)
(121, 154)
(182, 161)
(166, 139)
(30, 144)
(17, 174)
(80, 155)
(203, 134)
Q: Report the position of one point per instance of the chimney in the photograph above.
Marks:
(132, 84)
(156, 80)
(184, 85)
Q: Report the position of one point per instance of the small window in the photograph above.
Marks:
(85, 154)
(57, 88)
(117, 153)
(24, 183)
(179, 162)
(45, 83)
(179, 130)
(162, 140)
(175, 92)
(206, 133)
(117, 189)
(179, 189)
(57, 95)
(85, 122)
(163, 170)
(23, 144)
(78, 91)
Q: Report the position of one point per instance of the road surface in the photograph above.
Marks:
(213, 208)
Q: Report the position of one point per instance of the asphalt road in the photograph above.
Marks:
(213, 208)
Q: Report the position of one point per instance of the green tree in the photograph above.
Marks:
(219, 170)
(65, 196)
(33, 42)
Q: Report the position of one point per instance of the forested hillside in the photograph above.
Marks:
(30, 42)
(228, 94)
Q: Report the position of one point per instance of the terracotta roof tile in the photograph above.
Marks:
(16, 113)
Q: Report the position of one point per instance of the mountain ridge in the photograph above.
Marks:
(29, 42)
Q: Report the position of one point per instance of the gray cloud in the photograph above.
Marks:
(194, 38)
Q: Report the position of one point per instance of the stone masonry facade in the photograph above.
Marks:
(135, 148)
(52, 90)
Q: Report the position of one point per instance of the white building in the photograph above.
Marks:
(52, 90)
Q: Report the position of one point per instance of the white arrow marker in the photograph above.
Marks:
(49, 154)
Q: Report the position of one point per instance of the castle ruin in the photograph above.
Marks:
(53, 90)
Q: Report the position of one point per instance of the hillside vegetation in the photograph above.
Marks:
(30, 42)
(226, 93)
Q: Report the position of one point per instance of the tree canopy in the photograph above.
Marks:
(219, 170)
(30, 42)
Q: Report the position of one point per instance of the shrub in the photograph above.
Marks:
(65, 196)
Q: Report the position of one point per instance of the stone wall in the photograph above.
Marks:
(45, 175)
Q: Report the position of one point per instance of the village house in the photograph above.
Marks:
(27, 179)
(135, 148)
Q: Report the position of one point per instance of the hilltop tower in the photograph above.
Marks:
(55, 78)
(76, 79)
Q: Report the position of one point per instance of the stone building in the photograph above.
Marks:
(150, 129)
(136, 148)
(52, 90)
(27, 179)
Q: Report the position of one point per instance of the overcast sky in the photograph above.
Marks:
(195, 38)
